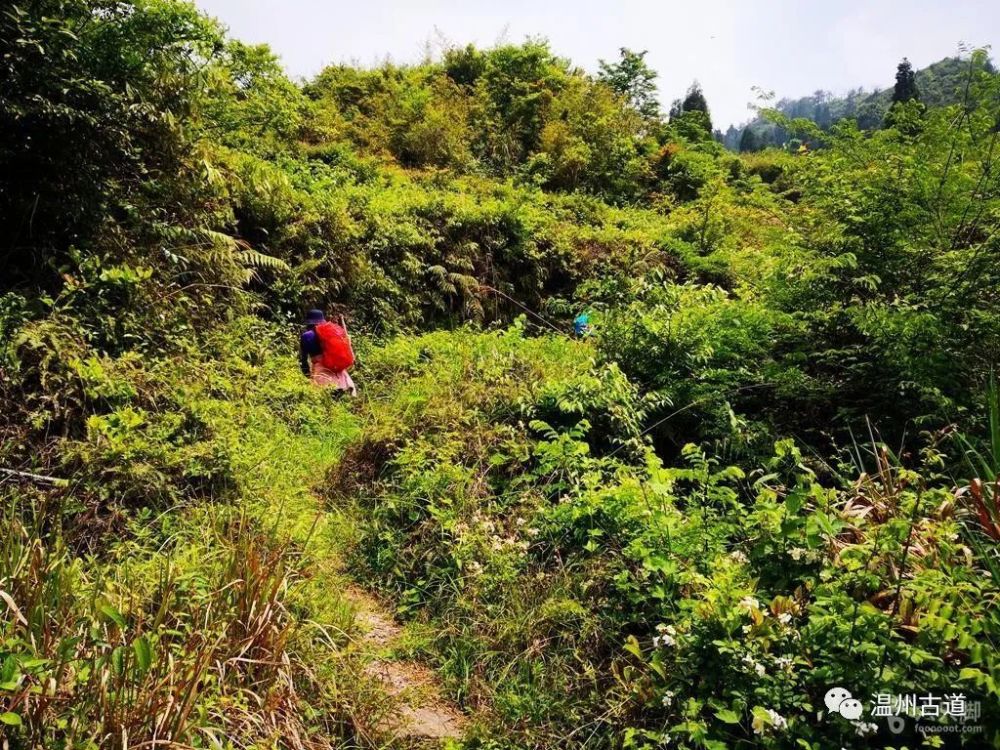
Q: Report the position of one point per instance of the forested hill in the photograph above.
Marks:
(939, 84)
(759, 474)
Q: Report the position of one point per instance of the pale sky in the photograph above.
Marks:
(792, 47)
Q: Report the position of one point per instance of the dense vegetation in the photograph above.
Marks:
(771, 468)
(938, 85)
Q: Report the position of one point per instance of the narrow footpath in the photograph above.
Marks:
(422, 716)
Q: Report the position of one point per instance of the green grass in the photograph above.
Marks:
(217, 615)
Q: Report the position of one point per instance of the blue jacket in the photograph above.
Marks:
(308, 347)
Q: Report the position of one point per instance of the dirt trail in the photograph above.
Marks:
(422, 714)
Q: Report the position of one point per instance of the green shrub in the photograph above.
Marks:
(702, 604)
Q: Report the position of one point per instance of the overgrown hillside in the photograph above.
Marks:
(769, 468)
(940, 84)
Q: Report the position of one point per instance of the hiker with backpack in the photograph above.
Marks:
(325, 353)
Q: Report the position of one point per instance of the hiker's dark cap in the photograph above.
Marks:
(314, 317)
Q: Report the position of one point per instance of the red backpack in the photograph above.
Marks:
(334, 347)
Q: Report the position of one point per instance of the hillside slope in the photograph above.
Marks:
(940, 84)
(766, 466)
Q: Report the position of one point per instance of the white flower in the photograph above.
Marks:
(798, 553)
(783, 662)
(666, 635)
(755, 665)
(779, 721)
(668, 699)
(739, 556)
(863, 728)
(784, 618)
(664, 640)
(749, 602)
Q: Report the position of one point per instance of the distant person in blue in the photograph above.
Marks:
(309, 341)
(581, 325)
(325, 353)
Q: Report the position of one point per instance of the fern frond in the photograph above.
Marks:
(255, 259)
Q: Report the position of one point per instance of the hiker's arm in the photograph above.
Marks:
(303, 357)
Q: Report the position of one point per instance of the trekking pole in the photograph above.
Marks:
(523, 307)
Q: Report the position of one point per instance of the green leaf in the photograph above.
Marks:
(10, 719)
(118, 660)
(969, 673)
(727, 715)
(9, 669)
(114, 615)
(761, 719)
(656, 664)
(143, 653)
(632, 646)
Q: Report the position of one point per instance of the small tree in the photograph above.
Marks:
(748, 141)
(899, 116)
(694, 102)
(905, 89)
(633, 79)
(823, 117)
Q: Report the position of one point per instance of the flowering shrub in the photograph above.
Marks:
(696, 605)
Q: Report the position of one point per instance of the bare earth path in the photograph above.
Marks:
(423, 715)
(414, 712)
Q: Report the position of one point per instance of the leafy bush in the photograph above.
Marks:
(705, 605)
(662, 531)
